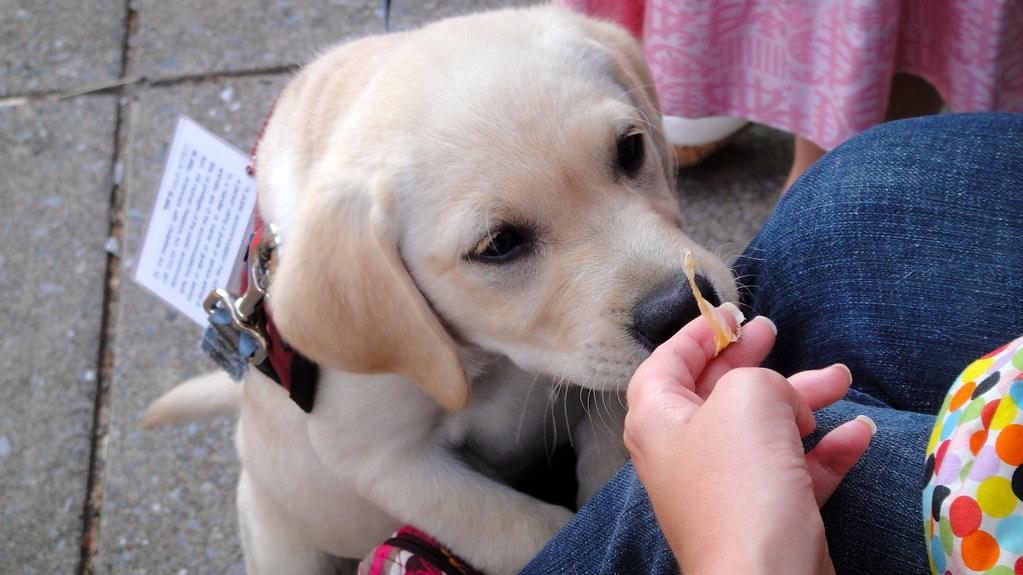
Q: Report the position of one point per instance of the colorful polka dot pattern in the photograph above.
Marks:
(973, 498)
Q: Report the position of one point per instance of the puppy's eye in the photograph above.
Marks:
(630, 153)
(502, 246)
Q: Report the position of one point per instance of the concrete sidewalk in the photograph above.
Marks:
(89, 92)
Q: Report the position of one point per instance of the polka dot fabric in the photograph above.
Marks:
(973, 499)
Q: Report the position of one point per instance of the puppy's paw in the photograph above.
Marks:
(514, 545)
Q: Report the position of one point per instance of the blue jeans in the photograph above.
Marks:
(899, 254)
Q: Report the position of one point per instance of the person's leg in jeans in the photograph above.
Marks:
(900, 254)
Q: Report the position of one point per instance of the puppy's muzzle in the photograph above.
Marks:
(662, 312)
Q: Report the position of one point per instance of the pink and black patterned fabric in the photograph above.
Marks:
(822, 69)
(411, 552)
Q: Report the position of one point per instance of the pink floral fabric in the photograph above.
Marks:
(822, 69)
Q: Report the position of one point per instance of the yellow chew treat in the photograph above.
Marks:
(722, 335)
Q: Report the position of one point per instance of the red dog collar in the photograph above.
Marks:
(242, 330)
(292, 370)
(283, 364)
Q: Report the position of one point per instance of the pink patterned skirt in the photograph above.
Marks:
(822, 69)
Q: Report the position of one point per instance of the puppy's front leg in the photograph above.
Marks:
(399, 461)
(490, 525)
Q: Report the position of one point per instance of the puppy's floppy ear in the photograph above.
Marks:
(341, 295)
(631, 71)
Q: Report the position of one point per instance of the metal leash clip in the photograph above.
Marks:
(242, 313)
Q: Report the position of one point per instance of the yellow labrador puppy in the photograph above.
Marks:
(465, 209)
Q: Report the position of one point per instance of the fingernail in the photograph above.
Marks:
(770, 323)
(846, 368)
(734, 311)
(869, 423)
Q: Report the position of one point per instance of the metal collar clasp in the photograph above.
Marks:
(243, 313)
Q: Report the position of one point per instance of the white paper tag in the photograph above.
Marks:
(200, 222)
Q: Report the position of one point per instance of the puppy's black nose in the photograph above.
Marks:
(664, 311)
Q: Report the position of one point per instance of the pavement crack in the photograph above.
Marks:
(92, 510)
(119, 85)
(214, 76)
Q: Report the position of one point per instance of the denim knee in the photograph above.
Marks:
(890, 162)
(897, 253)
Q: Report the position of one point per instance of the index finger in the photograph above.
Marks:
(679, 361)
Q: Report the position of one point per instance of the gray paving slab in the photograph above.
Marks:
(412, 13)
(198, 36)
(54, 201)
(55, 44)
(169, 493)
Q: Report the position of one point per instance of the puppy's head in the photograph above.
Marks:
(502, 183)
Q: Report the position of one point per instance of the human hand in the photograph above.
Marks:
(717, 446)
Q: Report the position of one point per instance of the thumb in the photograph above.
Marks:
(836, 454)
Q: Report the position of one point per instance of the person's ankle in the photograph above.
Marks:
(804, 154)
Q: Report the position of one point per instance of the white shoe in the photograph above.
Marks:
(700, 131)
(696, 138)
